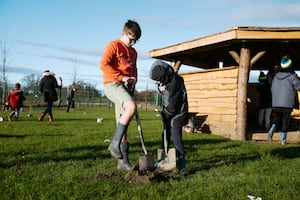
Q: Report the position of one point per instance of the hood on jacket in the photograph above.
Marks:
(48, 73)
(283, 75)
(161, 71)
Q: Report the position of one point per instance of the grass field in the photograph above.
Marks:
(68, 159)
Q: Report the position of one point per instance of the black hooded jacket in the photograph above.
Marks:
(48, 85)
(175, 103)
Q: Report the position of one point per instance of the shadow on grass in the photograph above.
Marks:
(287, 153)
(79, 153)
(22, 136)
(33, 156)
(82, 119)
(190, 145)
(221, 145)
(218, 161)
(12, 136)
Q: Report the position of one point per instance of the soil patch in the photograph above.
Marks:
(147, 176)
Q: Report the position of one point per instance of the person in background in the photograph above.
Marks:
(15, 100)
(265, 102)
(118, 64)
(47, 87)
(175, 106)
(71, 99)
(284, 86)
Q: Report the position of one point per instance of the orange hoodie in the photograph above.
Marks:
(117, 61)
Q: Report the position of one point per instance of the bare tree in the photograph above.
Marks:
(31, 83)
(4, 50)
(75, 72)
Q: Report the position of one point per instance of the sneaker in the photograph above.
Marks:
(269, 139)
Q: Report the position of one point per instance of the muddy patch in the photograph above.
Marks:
(147, 176)
(101, 176)
(139, 176)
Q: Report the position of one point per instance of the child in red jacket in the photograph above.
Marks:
(15, 100)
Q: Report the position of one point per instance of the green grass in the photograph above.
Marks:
(58, 160)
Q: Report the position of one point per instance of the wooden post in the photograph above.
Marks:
(235, 56)
(176, 66)
(242, 93)
(257, 57)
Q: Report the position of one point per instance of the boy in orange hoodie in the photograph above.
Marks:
(118, 65)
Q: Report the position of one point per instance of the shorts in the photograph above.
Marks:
(118, 94)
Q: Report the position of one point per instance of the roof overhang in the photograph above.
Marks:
(207, 52)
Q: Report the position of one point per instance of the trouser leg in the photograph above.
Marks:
(176, 133)
(261, 113)
(268, 118)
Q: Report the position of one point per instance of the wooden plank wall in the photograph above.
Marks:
(214, 93)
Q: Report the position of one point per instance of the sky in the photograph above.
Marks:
(68, 37)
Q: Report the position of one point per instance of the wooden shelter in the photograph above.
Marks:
(221, 94)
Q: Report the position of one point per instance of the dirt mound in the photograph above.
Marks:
(137, 176)
(101, 176)
(147, 176)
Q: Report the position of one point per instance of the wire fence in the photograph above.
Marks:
(88, 98)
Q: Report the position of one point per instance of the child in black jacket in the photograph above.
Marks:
(175, 106)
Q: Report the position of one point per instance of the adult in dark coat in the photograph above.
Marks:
(175, 106)
(47, 87)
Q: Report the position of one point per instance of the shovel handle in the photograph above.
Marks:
(165, 141)
(140, 132)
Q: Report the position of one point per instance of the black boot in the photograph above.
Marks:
(41, 117)
(123, 164)
(51, 118)
(181, 165)
(114, 146)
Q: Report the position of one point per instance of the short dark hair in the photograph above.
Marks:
(17, 85)
(133, 28)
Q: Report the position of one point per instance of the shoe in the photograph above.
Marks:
(270, 133)
(283, 137)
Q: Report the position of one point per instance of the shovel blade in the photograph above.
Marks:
(146, 162)
(166, 162)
